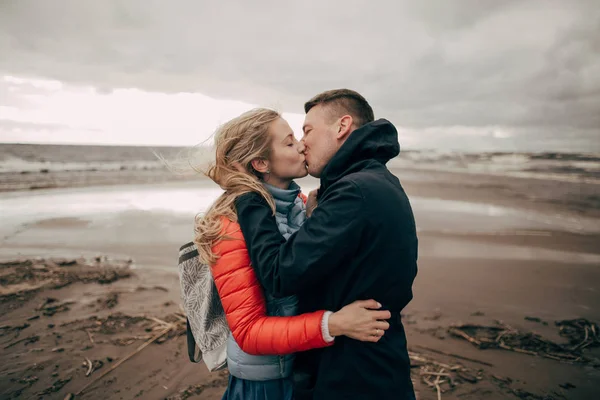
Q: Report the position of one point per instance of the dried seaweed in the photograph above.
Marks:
(580, 332)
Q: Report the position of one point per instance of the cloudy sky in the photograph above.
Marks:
(454, 74)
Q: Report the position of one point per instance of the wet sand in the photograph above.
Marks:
(487, 254)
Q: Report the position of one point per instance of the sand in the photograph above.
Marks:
(536, 263)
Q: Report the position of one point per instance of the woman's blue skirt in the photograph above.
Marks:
(242, 389)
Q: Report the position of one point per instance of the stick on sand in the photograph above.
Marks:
(158, 335)
(455, 356)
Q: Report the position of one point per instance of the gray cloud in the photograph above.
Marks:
(530, 67)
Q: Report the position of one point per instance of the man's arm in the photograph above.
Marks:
(312, 253)
(245, 307)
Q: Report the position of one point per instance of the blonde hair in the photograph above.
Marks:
(237, 142)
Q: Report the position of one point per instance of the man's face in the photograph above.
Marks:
(319, 139)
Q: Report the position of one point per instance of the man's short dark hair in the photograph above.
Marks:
(344, 101)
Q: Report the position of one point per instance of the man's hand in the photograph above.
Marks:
(311, 202)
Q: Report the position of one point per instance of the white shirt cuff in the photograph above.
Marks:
(325, 327)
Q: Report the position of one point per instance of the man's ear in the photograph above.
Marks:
(261, 165)
(344, 127)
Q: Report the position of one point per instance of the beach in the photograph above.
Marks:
(89, 276)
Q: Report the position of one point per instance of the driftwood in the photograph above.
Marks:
(455, 356)
(163, 327)
(90, 366)
(90, 336)
(580, 332)
(442, 377)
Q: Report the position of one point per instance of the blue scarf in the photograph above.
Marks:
(290, 211)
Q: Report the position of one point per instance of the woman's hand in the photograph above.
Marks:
(311, 202)
(360, 320)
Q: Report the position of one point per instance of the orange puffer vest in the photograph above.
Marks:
(261, 346)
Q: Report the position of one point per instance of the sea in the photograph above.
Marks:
(27, 158)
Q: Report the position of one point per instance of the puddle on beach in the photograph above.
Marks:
(166, 211)
(431, 214)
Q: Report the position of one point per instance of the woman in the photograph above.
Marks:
(265, 330)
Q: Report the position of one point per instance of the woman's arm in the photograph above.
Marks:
(256, 333)
(245, 308)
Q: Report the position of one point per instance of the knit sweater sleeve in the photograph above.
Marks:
(245, 306)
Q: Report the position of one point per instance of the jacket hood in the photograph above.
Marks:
(377, 140)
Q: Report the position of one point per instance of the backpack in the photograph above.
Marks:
(207, 330)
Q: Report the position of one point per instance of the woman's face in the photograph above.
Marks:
(286, 161)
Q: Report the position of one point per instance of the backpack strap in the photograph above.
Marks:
(191, 343)
(190, 254)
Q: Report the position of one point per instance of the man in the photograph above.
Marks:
(359, 243)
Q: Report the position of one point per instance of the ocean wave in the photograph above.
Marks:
(28, 158)
(572, 167)
(17, 165)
